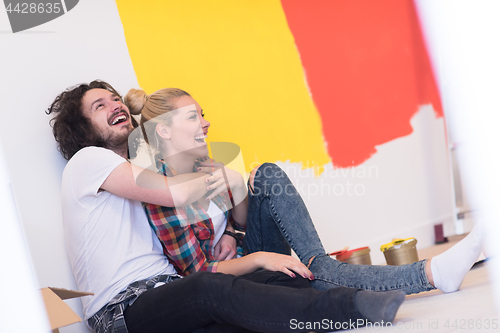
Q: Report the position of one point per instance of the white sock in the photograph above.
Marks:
(449, 268)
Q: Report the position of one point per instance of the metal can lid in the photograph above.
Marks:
(397, 243)
(343, 255)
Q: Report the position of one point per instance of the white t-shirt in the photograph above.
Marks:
(109, 241)
(219, 221)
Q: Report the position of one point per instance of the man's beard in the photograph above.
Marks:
(117, 142)
(113, 141)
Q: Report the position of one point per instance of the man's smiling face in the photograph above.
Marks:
(109, 116)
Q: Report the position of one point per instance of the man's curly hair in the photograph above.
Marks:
(72, 130)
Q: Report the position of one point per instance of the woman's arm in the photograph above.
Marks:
(185, 250)
(133, 182)
(240, 212)
(223, 178)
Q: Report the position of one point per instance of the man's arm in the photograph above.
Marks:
(133, 182)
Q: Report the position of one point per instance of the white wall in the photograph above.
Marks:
(400, 192)
(36, 65)
(21, 289)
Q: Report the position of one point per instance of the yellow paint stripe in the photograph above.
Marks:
(239, 61)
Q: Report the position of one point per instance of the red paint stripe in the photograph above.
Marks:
(367, 68)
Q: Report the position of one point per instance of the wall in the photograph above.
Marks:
(333, 87)
(461, 37)
(403, 182)
(36, 65)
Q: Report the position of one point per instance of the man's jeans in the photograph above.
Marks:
(278, 220)
(262, 301)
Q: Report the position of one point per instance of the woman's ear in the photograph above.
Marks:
(163, 131)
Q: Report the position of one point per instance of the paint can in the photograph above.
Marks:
(400, 251)
(360, 256)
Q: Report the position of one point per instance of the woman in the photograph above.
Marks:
(173, 124)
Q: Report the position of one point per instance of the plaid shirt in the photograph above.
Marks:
(186, 233)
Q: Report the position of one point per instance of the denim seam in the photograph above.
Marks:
(261, 199)
(414, 286)
(277, 220)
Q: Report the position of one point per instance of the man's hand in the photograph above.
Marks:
(225, 249)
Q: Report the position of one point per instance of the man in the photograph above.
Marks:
(115, 254)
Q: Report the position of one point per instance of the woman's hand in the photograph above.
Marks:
(265, 260)
(282, 263)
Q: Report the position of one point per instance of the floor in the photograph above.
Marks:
(471, 309)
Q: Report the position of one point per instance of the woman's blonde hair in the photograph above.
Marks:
(154, 109)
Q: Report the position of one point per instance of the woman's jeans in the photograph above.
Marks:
(257, 302)
(278, 221)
